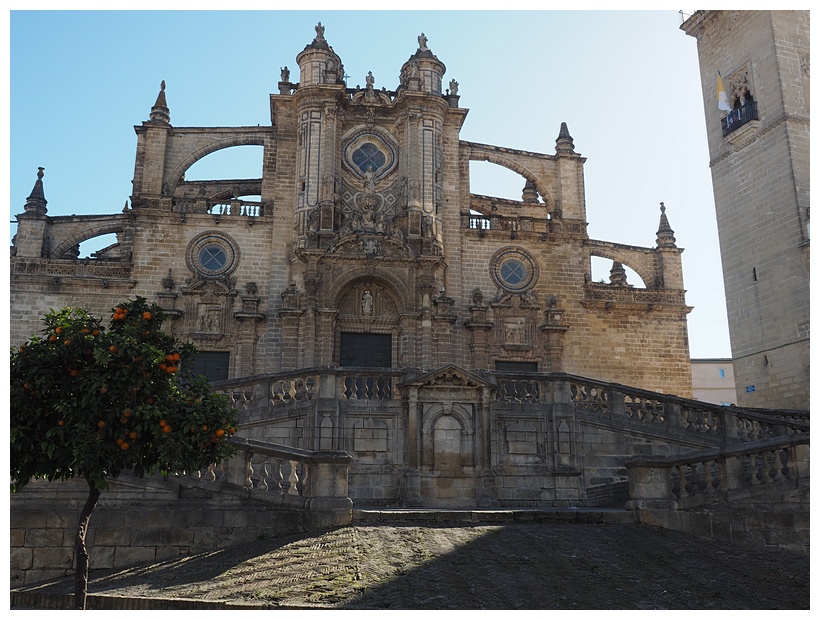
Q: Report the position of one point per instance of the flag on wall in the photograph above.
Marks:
(722, 97)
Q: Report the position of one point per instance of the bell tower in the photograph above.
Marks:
(758, 136)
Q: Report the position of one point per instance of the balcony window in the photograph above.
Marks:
(739, 116)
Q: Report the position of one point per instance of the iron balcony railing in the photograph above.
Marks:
(739, 117)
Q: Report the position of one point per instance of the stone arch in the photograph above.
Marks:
(404, 296)
(77, 238)
(447, 437)
(628, 259)
(173, 180)
(511, 164)
(367, 308)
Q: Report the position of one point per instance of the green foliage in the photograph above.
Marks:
(93, 402)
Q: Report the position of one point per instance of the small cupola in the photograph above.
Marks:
(318, 63)
(423, 72)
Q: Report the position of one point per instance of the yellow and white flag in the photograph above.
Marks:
(722, 97)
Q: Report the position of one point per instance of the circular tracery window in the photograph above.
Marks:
(514, 270)
(212, 255)
(370, 150)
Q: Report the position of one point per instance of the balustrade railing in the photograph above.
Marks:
(248, 208)
(589, 396)
(717, 475)
(279, 474)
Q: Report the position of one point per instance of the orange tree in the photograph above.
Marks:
(92, 402)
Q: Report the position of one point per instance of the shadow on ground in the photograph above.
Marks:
(504, 566)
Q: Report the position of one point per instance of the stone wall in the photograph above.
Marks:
(134, 522)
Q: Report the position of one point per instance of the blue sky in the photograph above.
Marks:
(626, 83)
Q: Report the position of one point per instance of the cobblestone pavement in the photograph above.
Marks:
(501, 566)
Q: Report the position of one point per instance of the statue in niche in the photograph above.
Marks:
(313, 221)
(367, 303)
(284, 76)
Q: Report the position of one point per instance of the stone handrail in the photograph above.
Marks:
(719, 475)
(612, 401)
(309, 384)
(281, 475)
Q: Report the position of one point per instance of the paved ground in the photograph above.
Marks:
(500, 566)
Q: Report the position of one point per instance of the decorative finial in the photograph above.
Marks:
(564, 143)
(160, 112)
(666, 236)
(36, 202)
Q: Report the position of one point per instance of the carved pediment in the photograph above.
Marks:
(448, 377)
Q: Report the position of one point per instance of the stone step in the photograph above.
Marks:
(498, 515)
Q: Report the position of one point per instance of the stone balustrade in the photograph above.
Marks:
(283, 475)
(587, 396)
(712, 476)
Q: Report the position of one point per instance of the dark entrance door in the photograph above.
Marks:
(366, 350)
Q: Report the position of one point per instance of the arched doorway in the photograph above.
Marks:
(367, 325)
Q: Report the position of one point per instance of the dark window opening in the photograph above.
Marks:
(516, 366)
(366, 350)
(213, 365)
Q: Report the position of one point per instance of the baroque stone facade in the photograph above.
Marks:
(759, 156)
(361, 245)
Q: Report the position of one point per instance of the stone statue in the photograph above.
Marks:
(423, 42)
(320, 32)
(453, 87)
(367, 303)
(284, 75)
(369, 79)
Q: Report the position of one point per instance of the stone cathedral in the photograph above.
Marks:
(362, 247)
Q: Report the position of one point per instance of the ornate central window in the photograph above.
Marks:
(367, 156)
(370, 149)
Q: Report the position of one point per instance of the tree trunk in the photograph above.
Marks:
(80, 551)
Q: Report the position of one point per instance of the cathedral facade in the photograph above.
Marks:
(362, 246)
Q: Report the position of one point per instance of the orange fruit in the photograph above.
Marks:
(52, 338)
(61, 423)
(103, 390)
(113, 348)
(58, 330)
(176, 357)
(101, 423)
(204, 427)
(163, 422)
(126, 413)
(96, 332)
(132, 434)
(147, 315)
(125, 445)
(74, 372)
(118, 441)
(220, 432)
(166, 429)
(67, 342)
